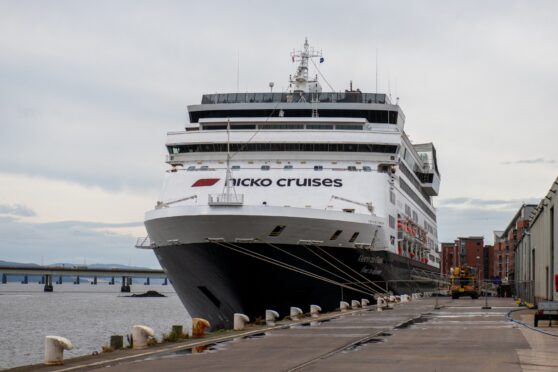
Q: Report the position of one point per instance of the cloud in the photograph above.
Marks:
(16, 210)
(530, 161)
(453, 223)
(484, 204)
(70, 241)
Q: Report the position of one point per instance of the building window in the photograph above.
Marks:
(392, 222)
(407, 210)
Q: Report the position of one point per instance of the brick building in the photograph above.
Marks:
(465, 251)
(505, 242)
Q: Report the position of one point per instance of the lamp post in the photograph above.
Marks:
(485, 307)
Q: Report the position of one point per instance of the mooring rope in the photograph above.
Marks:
(382, 290)
(286, 266)
(362, 285)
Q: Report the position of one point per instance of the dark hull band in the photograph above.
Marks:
(214, 282)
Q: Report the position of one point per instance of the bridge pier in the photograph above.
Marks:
(42, 280)
(126, 281)
(77, 280)
(111, 281)
(48, 283)
(94, 282)
(59, 281)
(4, 279)
(25, 280)
(146, 281)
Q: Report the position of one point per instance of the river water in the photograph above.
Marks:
(85, 314)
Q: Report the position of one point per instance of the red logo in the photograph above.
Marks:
(205, 182)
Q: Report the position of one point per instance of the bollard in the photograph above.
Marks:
(343, 306)
(116, 342)
(364, 302)
(54, 349)
(240, 321)
(315, 311)
(140, 335)
(381, 303)
(404, 298)
(198, 327)
(296, 312)
(270, 316)
(177, 330)
(355, 304)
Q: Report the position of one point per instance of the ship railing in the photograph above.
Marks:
(225, 200)
(143, 242)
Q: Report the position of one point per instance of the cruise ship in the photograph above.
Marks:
(280, 199)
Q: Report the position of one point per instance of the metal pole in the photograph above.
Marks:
(486, 307)
(437, 306)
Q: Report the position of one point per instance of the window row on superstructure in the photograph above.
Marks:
(409, 191)
(295, 147)
(414, 180)
(266, 167)
(349, 97)
(372, 116)
(293, 126)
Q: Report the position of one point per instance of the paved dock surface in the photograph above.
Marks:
(460, 336)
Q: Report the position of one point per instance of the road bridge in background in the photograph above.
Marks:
(47, 273)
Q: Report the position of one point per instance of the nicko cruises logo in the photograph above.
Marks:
(281, 182)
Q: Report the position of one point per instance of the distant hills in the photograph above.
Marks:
(91, 266)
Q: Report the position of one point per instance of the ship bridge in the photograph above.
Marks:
(374, 107)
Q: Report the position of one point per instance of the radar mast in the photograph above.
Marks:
(299, 83)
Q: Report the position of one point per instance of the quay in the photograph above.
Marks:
(47, 273)
(455, 335)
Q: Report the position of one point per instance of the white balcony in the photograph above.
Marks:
(225, 200)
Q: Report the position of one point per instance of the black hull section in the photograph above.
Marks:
(214, 282)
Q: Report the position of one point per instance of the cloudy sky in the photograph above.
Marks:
(88, 90)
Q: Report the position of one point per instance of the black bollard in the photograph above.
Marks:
(48, 283)
(116, 342)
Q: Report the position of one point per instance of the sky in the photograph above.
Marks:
(88, 90)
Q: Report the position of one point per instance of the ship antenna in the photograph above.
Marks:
(376, 70)
(237, 70)
(228, 177)
(300, 79)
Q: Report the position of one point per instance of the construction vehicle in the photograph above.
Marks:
(463, 282)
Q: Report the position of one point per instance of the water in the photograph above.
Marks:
(85, 314)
